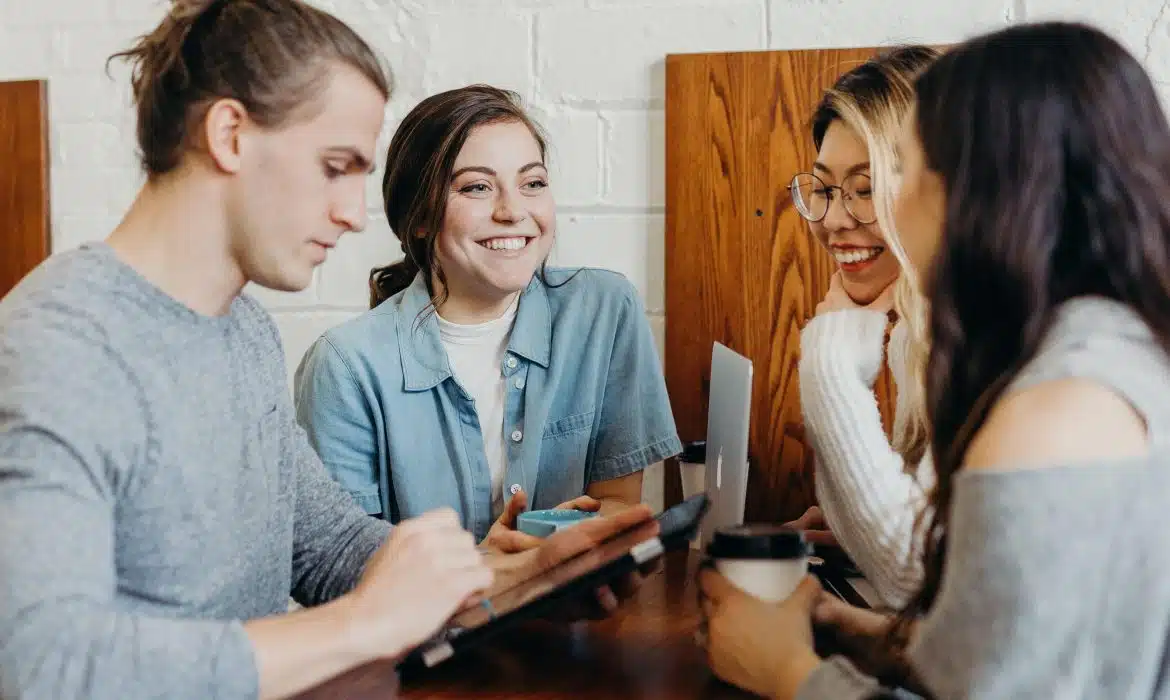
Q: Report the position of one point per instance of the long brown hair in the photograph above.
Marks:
(1055, 158)
(419, 164)
(271, 55)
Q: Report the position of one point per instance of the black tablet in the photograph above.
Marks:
(618, 556)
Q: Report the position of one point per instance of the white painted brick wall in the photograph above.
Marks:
(591, 240)
(592, 70)
(615, 53)
(797, 24)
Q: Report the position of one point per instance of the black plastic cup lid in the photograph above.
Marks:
(694, 452)
(758, 542)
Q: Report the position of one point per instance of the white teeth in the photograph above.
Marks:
(856, 255)
(504, 243)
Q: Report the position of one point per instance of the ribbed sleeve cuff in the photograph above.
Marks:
(849, 340)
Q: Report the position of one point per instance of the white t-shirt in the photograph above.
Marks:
(476, 353)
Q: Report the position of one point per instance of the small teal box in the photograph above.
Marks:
(542, 523)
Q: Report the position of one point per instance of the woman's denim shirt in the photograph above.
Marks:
(586, 401)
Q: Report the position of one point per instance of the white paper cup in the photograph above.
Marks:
(692, 470)
(692, 474)
(693, 482)
(766, 561)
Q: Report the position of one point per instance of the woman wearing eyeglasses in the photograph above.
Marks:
(869, 489)
(1047, 257)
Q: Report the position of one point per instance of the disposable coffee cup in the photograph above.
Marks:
(692, 465)
(692, 469)
(766, 561)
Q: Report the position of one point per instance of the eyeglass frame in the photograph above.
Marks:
(830, 188)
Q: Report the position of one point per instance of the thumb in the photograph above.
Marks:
(835, 283)
(514, 542)
(515, 507)
(715, 585)
(807, 593)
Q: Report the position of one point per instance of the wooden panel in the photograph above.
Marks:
(741, 267)
(24, 180)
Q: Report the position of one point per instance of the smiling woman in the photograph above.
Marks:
(482, 379)
(869, 486)
(499, 222)
(850, 232)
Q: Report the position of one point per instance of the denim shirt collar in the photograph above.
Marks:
(424, 362)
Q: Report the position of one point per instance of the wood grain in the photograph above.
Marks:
(24, 179)
(741, 266)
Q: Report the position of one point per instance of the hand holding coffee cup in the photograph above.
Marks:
(766, 561)
(756, 627)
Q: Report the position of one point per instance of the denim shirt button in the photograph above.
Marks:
(519, 383)
(514, 489)
(511, 363)
(517, 436)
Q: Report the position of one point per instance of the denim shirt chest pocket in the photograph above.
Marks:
(564, 456)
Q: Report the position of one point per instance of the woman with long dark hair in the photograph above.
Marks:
(1034, 198)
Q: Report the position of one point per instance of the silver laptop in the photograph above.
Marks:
(728, 414)
(726, 472)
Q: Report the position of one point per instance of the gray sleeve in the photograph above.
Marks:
(837, 679)
(333, 537)
(1024, 581)
(71, 423)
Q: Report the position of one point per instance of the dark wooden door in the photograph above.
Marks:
(24, 179)
(741, 267)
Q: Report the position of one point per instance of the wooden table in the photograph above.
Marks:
(645, 651)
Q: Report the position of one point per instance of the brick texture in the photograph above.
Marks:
(591, 70)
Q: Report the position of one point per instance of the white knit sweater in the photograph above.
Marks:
(869, 498)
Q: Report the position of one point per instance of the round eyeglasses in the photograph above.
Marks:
(813, 197)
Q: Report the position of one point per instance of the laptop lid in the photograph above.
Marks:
(728, 414)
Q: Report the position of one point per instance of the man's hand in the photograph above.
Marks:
(504, 538)
(427, 569)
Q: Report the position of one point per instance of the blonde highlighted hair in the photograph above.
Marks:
(872, 99)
